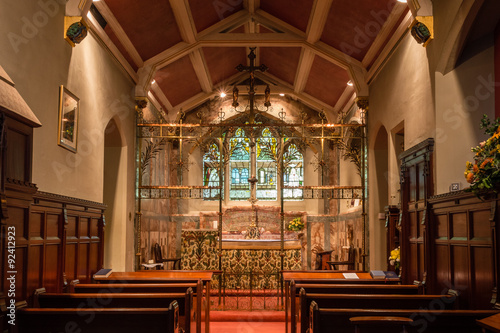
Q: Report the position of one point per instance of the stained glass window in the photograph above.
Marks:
(266, 166)
(239, 164)
(293, 163)
(211, 172)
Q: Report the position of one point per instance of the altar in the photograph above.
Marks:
(245, 263)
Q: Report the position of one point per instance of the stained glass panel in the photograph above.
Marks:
(293, 162)
(266, 166)
(239, 166)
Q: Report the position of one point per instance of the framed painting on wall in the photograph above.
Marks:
(69, 106)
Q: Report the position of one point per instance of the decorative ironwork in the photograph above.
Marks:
(152, 149)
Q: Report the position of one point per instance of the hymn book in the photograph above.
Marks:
(350, 275)
(103, 273)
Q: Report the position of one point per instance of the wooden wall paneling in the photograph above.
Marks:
(465, 225)
(416, 188)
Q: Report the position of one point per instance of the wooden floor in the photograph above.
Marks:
(247, 321)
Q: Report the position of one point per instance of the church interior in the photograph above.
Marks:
(252, 157)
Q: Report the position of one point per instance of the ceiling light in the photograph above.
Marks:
(402, 1)
(222, 94)
(282, 94)
(349, 83)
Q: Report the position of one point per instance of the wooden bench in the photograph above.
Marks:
(123, 320)
(164, 287)
(424, 320)
(375, 301)
(121, 300)
(345, 289)
(325, 277)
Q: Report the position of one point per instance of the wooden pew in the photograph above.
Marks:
(325, 277)
(134, 288)
(424, 320)
(155, 276)
(164, 287)
(123, 320)
(375, 301)
(121, 300)
(345, 289)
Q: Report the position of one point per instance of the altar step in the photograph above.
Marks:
(244, 300)
(247, 316)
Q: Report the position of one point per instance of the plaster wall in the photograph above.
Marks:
(38, 59)
(401, 93)
(462, 97)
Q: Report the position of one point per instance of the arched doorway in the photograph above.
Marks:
(114, 196)
(380, 194)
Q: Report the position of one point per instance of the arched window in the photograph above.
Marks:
(239, 161)
(266, 166)
(211, 161)
(293, 163)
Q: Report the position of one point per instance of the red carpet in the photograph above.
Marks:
(247, 321)
(248, 316)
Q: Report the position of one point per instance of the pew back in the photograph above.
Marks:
(123, 320)
(424, 321)
(122, 300)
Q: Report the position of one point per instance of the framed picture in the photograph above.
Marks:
(69, 107)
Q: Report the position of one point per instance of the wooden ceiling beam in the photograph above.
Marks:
(389, 48)
(184, 19)
(119, 32)
(162, 98)
(201, 69)
(317, 20)
(384, 33)
(303, 69)
(231, 22)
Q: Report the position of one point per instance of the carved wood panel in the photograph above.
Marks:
(416, 187)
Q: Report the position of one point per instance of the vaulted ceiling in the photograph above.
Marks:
(182, 53)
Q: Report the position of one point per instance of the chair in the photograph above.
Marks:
(160, 259)
(322, 259)
(346, 259)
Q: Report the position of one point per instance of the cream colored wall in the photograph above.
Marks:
(401, 92)
(39, 60)
(462, 97)
(409, 94)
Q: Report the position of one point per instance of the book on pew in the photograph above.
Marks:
(103, 273)
(350, 275)
(391, 275)
(377, 275)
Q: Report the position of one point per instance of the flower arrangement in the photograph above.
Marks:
(295, 225)
(395, 258)
(484, 173)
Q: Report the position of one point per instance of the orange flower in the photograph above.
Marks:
(470, 177)
(475, 168)
(486, 161)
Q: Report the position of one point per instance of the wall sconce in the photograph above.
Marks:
(75, 29)
(422, 29)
